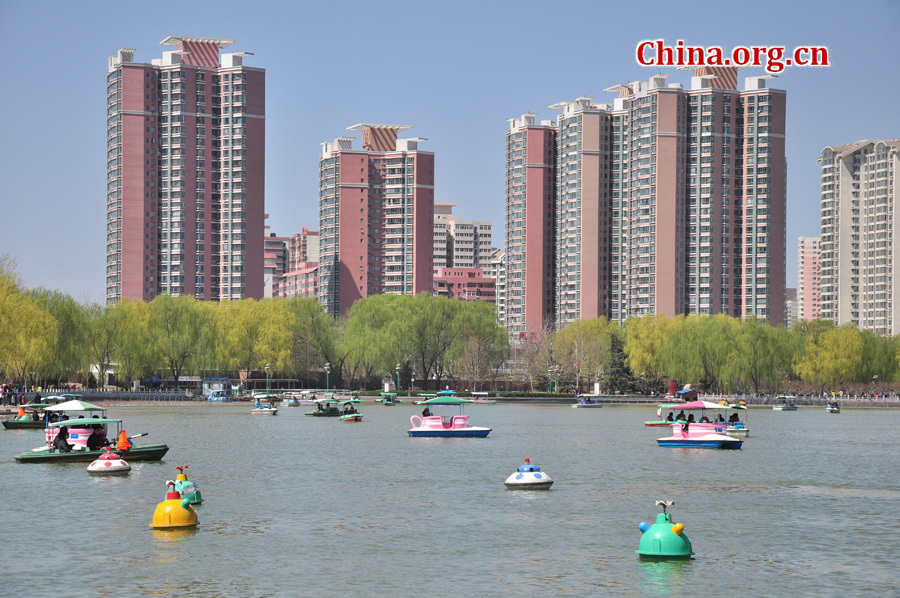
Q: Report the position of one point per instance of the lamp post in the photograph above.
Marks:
(551, 370)
(397, 369)
(267, 379)
(327, 373)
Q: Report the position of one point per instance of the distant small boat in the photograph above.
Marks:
(833, 407)
(586, 402)
(388, 399)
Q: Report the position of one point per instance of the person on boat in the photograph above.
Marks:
(54, 417)
(690, 418)
(720, 419)
(426, 412)
(734, 418)
(704, 420)
(123, 444)
(61, 442)
(681, 416)
(670, 417)
(93, 441)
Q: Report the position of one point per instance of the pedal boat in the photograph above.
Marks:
(351, 410)
(436, 426)
(700, 434)
(79, 430)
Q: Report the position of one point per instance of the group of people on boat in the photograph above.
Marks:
(703, 420)
(350, 410)
(95, 441)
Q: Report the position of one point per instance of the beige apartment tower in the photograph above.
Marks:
(859, 246)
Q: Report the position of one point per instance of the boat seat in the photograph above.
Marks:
(459, 421)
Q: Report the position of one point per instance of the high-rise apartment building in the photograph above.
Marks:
(808, 278)
(583, 184)
(699, 197)
(303, 247)
(790, 308)
(185, 173)
(530, 224)
(667, 200)
(859, 247)
(496, 269)
(376, 217)
(460, 243)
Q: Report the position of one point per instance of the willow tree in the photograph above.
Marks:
(28, 333)
(700, 349)
(430, 331)
(374, 336)
(106, 329)
(831, 358)
(879, 357)
(313, 336)
(583, 349)
(255, 333)
(182, 330)
(137, 355)
(70, 349)
(764, 355)
(483, 345)
(645, 338)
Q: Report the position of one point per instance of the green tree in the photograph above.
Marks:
(70, 352)
(106, 330)
(255, 333)
(700, 349)
(833, 357)
(583, 349)
(29, 333)
(314, 335)
(137, 355)
(645, 338)
(183, 332)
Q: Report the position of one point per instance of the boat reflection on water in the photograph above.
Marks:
(664, 578)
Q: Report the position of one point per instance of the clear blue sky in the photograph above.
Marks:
(455, 70)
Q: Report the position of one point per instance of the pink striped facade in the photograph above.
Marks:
(376, 215)
(185, 174)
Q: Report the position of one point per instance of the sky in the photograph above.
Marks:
(456, 71)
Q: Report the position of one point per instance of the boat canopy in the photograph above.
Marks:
(699, 405)
(446, 400)
(75, 405)
(351, 401)
(85, 421)
(389, 394)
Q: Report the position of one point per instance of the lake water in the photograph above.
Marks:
(302, 506)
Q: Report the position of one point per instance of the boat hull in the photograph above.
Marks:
(784, 408)
(22, 424)
(587, 405)
(352, 418)
(322, 414)
(264, 412)
(470, 432)
(704, 443)
(150, 452)
(657, 424)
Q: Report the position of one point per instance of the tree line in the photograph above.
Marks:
(49, 338)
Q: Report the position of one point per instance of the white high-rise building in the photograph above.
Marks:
(859, 246)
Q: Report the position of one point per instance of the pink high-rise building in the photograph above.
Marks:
(185, 173)
(376, 217)
(808, 278)
(530, 221)
(699, 197)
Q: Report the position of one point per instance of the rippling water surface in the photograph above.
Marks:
(301, 506)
